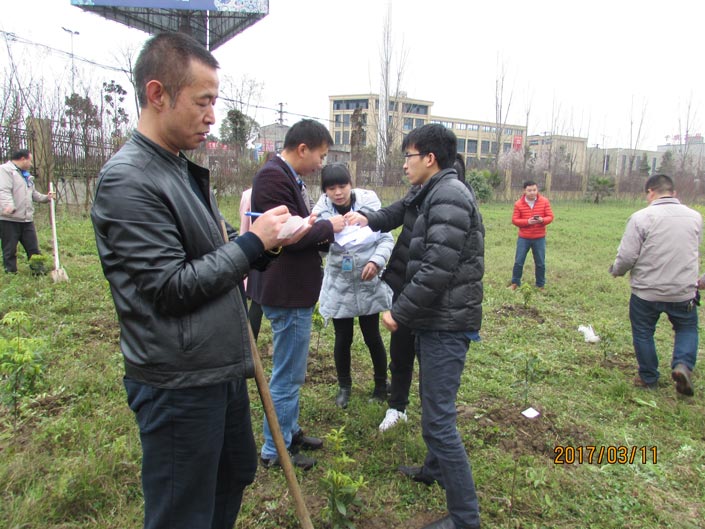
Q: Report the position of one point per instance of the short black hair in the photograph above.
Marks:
(335, 174)
(459, 166)
(165, 58)
(660, 183)
(309, 132)
(20, 154)
(434, 138)
(528, 183)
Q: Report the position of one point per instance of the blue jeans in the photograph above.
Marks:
(198, 453)
(644, 315)
(291, 329)
(538, 250)
(441, 361)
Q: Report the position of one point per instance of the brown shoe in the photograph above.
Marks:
(639, 383)
(513, 286)
(681, 375)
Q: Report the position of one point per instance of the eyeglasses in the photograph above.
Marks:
(409, 155)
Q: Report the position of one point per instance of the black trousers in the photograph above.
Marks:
(13, 233)
(402, 353)
(198, 453)
(369, 325)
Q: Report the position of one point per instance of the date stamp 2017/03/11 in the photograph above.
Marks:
(610, 454)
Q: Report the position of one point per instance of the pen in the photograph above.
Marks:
(252, 214)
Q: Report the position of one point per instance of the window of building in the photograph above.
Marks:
(420, 123)
(509, 131)
(408, 123)
(494, 147)
(533, 142)
(350, 104)
(364, 138)
(485, 147)
(392, 106)
(346, 137)
(337, 118)
(473, 126)
(506, 147)
(606, 164)
(346, 119)
(413, 108)
(461, 145)
(472, 146)
(337, 137)
(486, 128)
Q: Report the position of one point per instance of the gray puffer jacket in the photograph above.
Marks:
(443, 289)
(344, 294)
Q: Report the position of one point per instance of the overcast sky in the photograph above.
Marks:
(588, 67)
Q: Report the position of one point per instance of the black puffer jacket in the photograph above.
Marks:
(443, 286)
(174, 280)
(401, 213)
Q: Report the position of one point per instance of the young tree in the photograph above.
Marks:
(114, 97)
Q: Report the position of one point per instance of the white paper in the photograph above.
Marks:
(589, 333)
(353, 235)
(291, 226)
(530, 413)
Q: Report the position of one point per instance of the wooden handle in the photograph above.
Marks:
(271, 415)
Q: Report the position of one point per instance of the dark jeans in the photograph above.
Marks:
(13, 233)
(369, 325)
(198, 453)
(401, 366)
(441, 362)
(644, 315)
(538, 250)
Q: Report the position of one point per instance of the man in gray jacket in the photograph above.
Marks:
(660, 247)
(175, 283)
(17, 194)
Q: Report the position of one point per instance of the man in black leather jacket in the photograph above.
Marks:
(176, 282)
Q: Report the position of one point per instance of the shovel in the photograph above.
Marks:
(271, 414)
(58, 274)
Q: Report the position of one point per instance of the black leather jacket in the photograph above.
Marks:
(174, 281)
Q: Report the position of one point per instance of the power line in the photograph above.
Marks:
(13, 37)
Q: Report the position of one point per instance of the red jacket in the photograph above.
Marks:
(522, 214)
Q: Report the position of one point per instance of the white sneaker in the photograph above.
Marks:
(391, 418)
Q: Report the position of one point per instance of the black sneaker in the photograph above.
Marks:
(299, 441)
(343, 397)
(298, 460)
(379, 394)
(417, 474)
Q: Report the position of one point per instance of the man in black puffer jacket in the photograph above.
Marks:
(441, 301)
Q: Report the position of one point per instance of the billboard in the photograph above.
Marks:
(232, 6)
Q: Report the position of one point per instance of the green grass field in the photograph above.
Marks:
(70, 457)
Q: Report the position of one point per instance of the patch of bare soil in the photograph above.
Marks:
(512, 311)
(501, 424)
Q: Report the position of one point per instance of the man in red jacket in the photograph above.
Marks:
(532, 213)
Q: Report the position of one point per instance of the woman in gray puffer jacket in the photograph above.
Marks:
(351, 282)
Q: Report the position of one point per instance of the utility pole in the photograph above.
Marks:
(73, 66)
(281, 113)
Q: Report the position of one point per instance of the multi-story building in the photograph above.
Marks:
(354, 123)
(558, 153)
(616, 162)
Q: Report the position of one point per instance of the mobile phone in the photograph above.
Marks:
(536, 217)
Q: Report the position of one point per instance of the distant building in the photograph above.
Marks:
(354, 123)
(559, 153)
(616, 162)
(271, 138)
